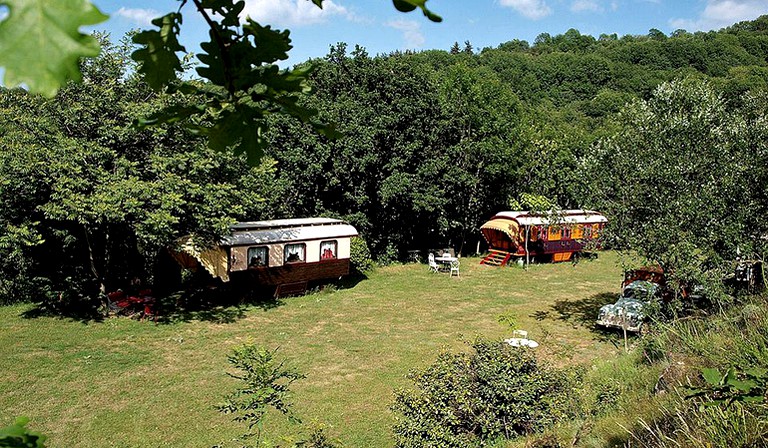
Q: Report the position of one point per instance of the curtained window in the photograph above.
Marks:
(328, 250)
(258, 257)
(295, 253)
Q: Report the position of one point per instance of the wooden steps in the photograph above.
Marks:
(496, 258)
(290, 289)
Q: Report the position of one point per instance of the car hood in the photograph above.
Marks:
(626, 311)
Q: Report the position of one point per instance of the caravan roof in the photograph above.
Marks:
(526, 218)
(284, 230)
(282, 223)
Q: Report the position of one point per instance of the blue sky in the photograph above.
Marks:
(377, 26)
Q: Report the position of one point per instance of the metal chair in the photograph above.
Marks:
(433, 266)
(455, 268)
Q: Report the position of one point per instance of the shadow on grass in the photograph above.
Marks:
(581, 312)
(86, 314)
(217, 305)
(221, 304)
(350, 281)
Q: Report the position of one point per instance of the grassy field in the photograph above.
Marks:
(128, 383)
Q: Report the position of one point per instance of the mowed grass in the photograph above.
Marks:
(128, 383)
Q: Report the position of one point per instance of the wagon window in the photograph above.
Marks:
(258, 257)
(554, 233)
(295, 253)
(328, 250)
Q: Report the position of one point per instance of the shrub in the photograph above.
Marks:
(18, 436)
(466, 399)
(317, 438)
(266, 384)
(547, 441)
(389, 256)
(360, 256)
(18, 282)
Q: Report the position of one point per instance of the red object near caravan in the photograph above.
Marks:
(537, 235)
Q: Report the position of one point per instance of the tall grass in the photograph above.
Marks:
(639, 399)
(737, 336)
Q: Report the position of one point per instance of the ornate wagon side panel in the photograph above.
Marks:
(238, 260)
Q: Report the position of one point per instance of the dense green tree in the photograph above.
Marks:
(681, 180)
(90, 201)
(426, 157)
(370, 176)
(244, 85)
(514, 45)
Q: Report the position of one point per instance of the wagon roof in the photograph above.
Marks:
(509, 227)
(283, 223)
(527, 218)
(286, 230)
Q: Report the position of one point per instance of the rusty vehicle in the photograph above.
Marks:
(640, 287)
(628, 311)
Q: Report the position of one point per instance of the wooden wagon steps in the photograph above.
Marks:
(291, 289)
(496, 258)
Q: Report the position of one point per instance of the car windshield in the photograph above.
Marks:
(639, 290)
(628, 304)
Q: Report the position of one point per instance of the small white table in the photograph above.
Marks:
(446, 261)
(521, 342)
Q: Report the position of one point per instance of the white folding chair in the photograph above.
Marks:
(521, 334)
(433, 266)
(455, 268)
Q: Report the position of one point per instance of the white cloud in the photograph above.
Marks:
(721, 13)
(141, 17)
(411, 32)
(532, 9)
(293, 12)
(585, 5)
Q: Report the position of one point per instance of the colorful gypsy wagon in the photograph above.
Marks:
(528, 235)
(286, 253)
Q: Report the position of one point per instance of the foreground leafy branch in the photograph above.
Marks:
(238, 62)
(49, 31)
(735, 385)
(18, 436)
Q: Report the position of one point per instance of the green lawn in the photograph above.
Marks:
(128, 383)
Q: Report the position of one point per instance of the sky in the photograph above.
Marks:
(380, 29)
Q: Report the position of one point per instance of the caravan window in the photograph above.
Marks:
(258, 257)
(328, 250)
(295, 253)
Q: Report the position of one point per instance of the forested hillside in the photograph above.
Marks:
(433, 143)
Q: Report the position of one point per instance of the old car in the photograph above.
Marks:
(627, 313)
